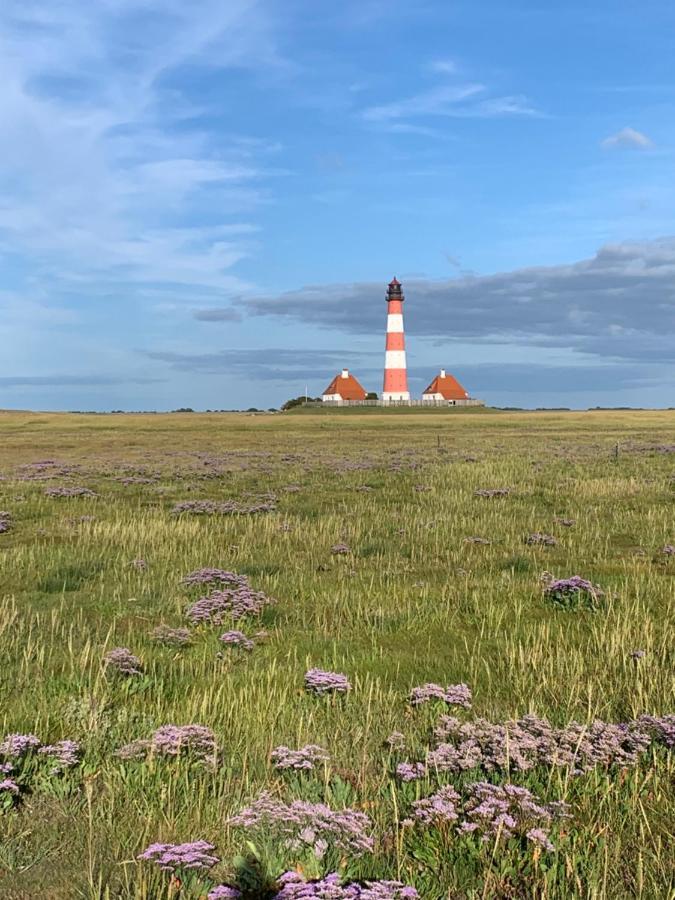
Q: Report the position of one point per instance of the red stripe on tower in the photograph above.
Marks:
(395, 369)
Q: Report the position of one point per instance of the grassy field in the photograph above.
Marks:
(384, 565)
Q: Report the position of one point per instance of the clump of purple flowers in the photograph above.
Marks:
(320, 682)
(541, 540)
(438, 809)
(9, 786)
(64, 754)
(567, 523)
(295, 887)
(570, 593)
(195, 856)
(171, 637)
(340, 549)
(668, 550)
(492, 492)
(528, 742)
(222, 508)
(453, 694)
(65, 492)
(122, 661)
(139, 564)
(224, 892)
(172, 741)
(492, 811)
(16, 746)
(661, 729)
(411, 771)
(395, 741)
(237, 639)
(507, 811)
(304, 759)
(209, 575)
(229, 604)
(304, 826)
(5, 522)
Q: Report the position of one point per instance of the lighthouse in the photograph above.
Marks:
(395, 370)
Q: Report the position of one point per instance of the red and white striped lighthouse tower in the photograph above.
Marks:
(395, 371)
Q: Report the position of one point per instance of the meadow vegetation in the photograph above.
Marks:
(346, 648)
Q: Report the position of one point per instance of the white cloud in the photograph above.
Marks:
(443, 66)
(628, 137)
(104, 167)
(450, 99)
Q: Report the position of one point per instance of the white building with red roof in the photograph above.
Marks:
(343, 389)
(446, 389)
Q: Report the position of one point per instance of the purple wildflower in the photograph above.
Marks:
(19, 745)
(209, 576)
(668, 550)
(574, 591)
(196, 855)
(170, 741)
(453, 694)
(223, 892)
(340, 549)
(139, 564)
(438, 809)
(122, 661)
(528, 742)
(637, 654)
(65, 492)
(540, 539)
(66, 754)
(222, 508)
(539, 838)
(411, 771)
(9, 786)
(506, 811)
(308, 826)
(171, 637)
(294, 887)
(317, 681)
(229, 604)
(492, 492)
(303, 759)
(5, 522)
(396, 741)
(237, 639)
(567, 523)
(662, 729)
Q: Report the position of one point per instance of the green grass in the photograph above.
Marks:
(412, 603)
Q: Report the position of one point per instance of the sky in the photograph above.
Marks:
(201, 203)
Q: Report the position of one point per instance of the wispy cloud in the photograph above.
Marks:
(105, 166)
(628, 137)
(450, 98)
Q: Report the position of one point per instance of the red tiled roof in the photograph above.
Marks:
(348, 388)
(448, 387)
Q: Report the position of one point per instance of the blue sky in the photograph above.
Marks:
(201, 203)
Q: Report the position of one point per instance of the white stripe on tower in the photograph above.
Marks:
(394, 359)
(394, 323)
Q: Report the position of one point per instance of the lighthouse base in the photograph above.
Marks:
(396, 397)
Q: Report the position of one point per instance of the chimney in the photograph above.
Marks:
(345, 373)
(442, 373)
